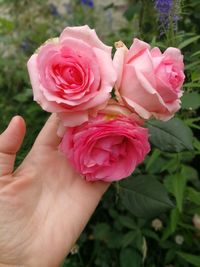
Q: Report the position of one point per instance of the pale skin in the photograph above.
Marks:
(44, 203)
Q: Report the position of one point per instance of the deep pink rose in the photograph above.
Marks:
(72, 75)
(106, 148)
(149, 82)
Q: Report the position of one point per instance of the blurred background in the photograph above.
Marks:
(116, 235)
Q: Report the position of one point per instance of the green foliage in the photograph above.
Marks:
(191, 100)
(170, 136)
(130, 258)
(144, 196)
(194, 260)
(166, 187)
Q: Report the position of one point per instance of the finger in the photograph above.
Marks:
(48, 135)
(10, 142)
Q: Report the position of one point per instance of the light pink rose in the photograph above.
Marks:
(149, 82)
(72, 75)
(106, 148)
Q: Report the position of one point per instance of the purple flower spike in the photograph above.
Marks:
(164, 8)
(89, 3)
(168, 11)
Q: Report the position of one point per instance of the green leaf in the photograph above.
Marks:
(191, 100)
(190, 67)
(150, 234)
(197, 144)
(166, 233)
(144, 196)
(193, 195)
(192, 176)
(188, 41)
(114, 239)
(178, 186)
(170, 136)
(195, 54)
(101, 231)
(130, 258)
(187, 226)
(192, 259)
(170, 255)
(129, 237)
(174, 219)
(152, 159)
(170, 165)
(127, 222)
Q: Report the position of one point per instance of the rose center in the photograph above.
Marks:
(174, 79)
(109, 150)
(173, 76)
(68, 74)
(71, 75)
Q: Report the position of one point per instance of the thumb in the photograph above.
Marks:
(10, 142)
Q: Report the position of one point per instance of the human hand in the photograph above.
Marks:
(44, 203)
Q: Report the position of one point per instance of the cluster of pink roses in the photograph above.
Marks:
(74, 76)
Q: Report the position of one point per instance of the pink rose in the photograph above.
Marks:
(106, 148)
(72, 75)
(149, 82)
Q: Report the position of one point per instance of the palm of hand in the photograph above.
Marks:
(44, 204)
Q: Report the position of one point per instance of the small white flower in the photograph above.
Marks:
(157, 224)
(179, 239)
(74, 249)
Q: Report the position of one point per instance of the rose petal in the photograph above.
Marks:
(86, 34)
